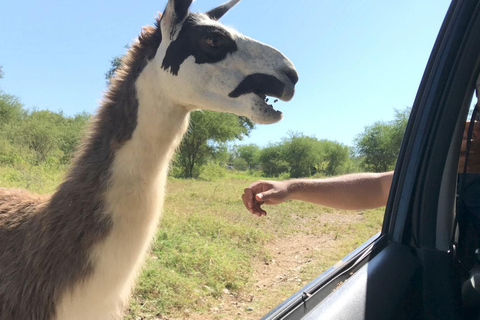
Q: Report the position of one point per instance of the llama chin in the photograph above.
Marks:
(76, 254)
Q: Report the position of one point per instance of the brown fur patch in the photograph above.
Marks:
(45, 241)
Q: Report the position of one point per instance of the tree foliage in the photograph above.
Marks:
(250, 154)
(272, 162)
(114, 65)
(11, 110)
(303, 156)
(204, 140)
(37, 136)
(300, 153)
(334, 158)
(380, 143)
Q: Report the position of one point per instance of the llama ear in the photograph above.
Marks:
(173, 17)
(219, 11)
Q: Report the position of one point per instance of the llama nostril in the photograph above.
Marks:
(292, 75)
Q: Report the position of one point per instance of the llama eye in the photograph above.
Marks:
(214, 42)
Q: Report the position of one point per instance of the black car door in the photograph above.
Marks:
(410, 270)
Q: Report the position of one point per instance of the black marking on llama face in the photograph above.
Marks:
(207, 43)
(181, 10)
(260, 84)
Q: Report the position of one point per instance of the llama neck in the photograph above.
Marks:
(143, 161)
(132, 201)
(141, 164)
(136, 193)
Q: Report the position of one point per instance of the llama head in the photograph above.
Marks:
(203, 64)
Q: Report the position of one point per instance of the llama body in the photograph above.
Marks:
(76, 254)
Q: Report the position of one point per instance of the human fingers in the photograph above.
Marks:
(260, 186)
(254, 207)
(248, 199)
(257, 209)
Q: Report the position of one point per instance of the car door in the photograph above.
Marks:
(409, 270)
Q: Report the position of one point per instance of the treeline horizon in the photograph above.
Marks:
(43, 137)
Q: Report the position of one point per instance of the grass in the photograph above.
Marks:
(208, 242)
(208, 251)
(204, 245)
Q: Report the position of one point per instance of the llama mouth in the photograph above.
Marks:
(267, 89)
(266, 99)
(262, 85)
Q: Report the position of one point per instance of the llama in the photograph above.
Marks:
(76, 254)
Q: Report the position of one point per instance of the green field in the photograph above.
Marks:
(213, 260)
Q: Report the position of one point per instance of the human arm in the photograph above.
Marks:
(353, 191)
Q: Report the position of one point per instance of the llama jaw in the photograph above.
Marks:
(262, 112)
(266, 87)
(269, 106)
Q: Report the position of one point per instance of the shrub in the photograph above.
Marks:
(212, 171)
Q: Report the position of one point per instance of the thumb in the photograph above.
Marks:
(264, 196)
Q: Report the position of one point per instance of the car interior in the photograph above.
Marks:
(425, 263)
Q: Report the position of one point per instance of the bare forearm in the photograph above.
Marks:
(354, 191)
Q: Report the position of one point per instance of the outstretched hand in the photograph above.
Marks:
(264, 192)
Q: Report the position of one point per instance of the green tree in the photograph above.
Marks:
(302, 156)
(41, 132)
(272, 162)
(38, 135)
(300, 153)
(72, 129)
(203, 141)
(11, 116)
(11, 109)
(380, 143)
(239, 164)
(334, 156)
(250, 154)
(114, 65)
(1, 72)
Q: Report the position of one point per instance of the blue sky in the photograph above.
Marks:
(358, 60)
